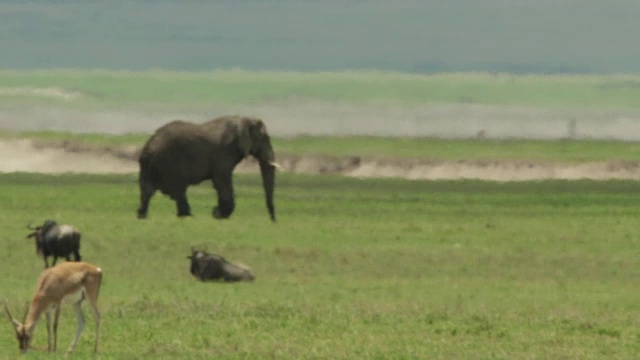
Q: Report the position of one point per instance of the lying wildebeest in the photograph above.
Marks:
(56, 240)
(210, 267)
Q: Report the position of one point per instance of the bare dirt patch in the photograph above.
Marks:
(24, 155)
(50, 92)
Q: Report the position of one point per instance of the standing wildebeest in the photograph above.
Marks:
(180, 154)
(56, 240)
(205, 266)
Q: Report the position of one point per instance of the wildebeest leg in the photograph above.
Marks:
(55, 258)
(224, 188)
(46, 262)
(146, 192)
(182, 204)
(76, 255)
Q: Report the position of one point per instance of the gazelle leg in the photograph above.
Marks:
(78, 309)
(56, 316)
(96, 317)
(48, 316)
(93, 290)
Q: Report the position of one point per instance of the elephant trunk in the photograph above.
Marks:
(268, 170)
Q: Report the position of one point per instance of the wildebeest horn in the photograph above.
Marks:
(34, 233)
(276, 165)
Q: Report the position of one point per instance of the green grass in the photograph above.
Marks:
(165, 89)
(353, 269)
(572, 151)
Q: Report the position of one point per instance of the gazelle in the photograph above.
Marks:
(71, 282)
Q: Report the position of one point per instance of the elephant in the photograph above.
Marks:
(181, 153)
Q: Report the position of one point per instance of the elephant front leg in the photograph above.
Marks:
(226, 203)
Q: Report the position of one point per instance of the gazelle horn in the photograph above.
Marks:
(13, 320)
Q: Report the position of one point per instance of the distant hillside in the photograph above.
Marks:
(518, 36)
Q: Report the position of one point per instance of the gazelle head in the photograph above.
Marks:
(22, 334)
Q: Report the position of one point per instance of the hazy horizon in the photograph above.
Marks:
(518, 36)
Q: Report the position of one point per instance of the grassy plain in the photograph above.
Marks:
(354, 268)
(102, 88)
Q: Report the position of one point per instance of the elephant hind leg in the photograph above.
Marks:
(224, 209)
(182, 204)
(226, 203)
(146, 192)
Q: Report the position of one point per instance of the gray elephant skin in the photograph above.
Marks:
(181, 153)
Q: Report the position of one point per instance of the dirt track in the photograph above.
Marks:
(61, 157)
(298, 118)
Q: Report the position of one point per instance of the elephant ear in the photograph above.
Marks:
(250, 131)
(244, 137)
